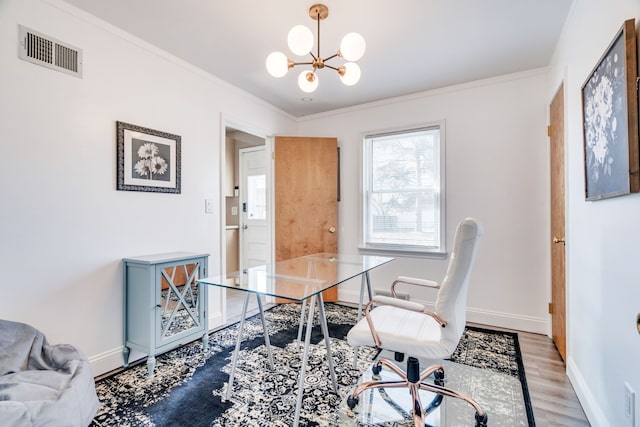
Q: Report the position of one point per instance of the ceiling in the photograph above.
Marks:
(412, 45)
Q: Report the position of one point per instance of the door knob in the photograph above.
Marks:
(244, 227)
(332, 230)
(558, 240)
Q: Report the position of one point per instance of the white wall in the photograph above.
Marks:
(64, 227)
(496, 170)
(602, 237)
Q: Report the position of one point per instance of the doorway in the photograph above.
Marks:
(276, 209)
(245, 196)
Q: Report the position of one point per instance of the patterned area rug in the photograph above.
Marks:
(496, 351)
(189, 385)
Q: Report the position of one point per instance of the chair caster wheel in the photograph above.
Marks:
(352, 402)
(481, 420)
(438, 378)
(376, 369)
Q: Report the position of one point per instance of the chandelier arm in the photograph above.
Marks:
(333, 68)
(302, 63)
(331, 57)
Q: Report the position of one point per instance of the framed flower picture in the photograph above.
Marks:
(148, 160)
(610, 116)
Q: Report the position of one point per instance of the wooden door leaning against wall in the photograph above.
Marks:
(306, 192)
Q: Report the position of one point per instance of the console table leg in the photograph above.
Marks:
(125, 355)
(205, 341)
(151, 365)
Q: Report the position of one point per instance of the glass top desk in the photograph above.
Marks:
(298, 279)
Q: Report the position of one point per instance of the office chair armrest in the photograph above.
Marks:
(400, 303)
(437, 318)
(413, 281)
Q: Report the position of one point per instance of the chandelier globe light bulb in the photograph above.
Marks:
(351, 74)
(352, 47)
(308, 81)
(277, 64)
(300, 40)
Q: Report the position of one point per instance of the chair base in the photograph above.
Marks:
(415, 383)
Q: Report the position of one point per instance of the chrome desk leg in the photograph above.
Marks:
(301, 323)
(237, 350)
(362, 283)
(364, 280)
(325, 332)
(265, 331)
(305, 357)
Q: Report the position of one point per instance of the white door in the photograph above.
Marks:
(254, 209)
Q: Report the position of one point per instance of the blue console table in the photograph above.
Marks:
(164, 306)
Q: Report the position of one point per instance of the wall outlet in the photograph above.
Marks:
(629, 404)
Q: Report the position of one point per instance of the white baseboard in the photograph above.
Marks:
(508, 320)
(485, 317)
(589, 403)
(107, 361)
(215, 320)
(113, 359)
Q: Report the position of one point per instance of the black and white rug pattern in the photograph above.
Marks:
(189, 385)
(261, 397)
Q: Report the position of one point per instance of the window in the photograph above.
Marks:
(257, 197)
(403, 191)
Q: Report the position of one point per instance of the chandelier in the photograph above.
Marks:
(300, 41)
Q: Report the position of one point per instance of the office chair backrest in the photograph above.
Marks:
(451, 301)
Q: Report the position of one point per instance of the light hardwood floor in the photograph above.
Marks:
(553, 398)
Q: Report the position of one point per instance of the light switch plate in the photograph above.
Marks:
(208, 206)
(234, 210)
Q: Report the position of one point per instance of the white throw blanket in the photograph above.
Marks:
(42, 384)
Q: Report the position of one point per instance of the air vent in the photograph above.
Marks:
(40, 49)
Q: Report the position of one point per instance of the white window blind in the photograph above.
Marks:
(403, 182)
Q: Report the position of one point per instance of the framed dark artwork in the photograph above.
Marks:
(610, 117)
(148, 159)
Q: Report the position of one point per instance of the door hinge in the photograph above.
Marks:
(273, 154)
(549, 131)
(550, 308)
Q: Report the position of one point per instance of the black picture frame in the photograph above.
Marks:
(147, 159)
(610, 120)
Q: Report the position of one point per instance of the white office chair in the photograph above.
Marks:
(406, 327)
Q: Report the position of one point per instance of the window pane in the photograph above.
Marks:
(403, 162)
(404, 218)
(257, 197)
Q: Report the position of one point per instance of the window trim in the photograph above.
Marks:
(397, 249)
